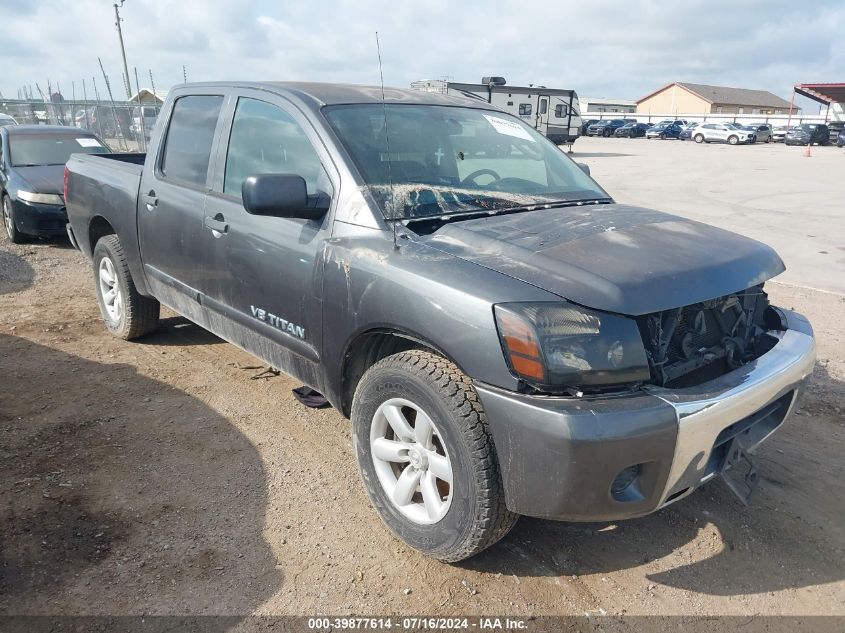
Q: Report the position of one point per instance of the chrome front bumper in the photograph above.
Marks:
(704, 412)
(561, 457)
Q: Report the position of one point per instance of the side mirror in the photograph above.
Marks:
(584, 167)
(281, 196)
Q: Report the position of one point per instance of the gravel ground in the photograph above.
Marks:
(160, 477)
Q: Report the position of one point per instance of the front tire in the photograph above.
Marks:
(733, 140)
(127, 313)
(15, 236)
(427, 458)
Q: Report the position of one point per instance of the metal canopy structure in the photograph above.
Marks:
(822, 93)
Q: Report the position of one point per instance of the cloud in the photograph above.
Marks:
(599, 48)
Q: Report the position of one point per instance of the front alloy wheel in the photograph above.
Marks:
(410, 461)
(733, 140)
(427, 457)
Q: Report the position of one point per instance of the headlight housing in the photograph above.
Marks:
(553, 346)
(40, 198)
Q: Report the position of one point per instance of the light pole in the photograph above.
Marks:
(122, 49)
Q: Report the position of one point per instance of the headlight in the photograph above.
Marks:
(556, 345)
(41, 198)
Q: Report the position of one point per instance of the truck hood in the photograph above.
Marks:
(43, 178)
(616, 257)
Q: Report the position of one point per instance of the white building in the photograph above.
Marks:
(599, 105)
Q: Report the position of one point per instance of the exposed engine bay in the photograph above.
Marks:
(690, 345)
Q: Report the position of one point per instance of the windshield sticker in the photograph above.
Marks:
(511, 128)
(88, 142)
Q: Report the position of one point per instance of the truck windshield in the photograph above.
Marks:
(443, 160)
(51, 149)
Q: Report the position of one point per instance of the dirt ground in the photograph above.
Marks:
(161, 477)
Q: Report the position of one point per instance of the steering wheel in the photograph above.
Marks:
(480, 172)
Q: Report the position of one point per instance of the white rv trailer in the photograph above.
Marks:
(553, 112)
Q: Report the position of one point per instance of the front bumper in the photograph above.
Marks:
(562, 458)
(41, 220)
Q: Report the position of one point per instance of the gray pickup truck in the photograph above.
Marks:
(505, 338)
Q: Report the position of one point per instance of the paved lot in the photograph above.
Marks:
(767, 191)
(160, 477)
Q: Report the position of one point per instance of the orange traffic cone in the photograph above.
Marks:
(807, 151)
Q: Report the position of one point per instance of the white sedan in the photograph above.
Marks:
(722, 133)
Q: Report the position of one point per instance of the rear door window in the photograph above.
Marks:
(190, 135)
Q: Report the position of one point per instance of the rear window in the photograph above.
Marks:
(51, 149)
(189, 138)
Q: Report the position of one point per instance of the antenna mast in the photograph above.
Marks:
(387, 143)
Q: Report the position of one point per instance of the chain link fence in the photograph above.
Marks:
(125, 127)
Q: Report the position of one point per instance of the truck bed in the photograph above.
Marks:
(102, 195)
(135, 158)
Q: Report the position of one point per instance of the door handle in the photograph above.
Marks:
(218, 226)
(150, 200)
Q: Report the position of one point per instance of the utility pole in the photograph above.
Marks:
(117, 21)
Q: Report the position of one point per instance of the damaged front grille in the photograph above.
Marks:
(690, 345)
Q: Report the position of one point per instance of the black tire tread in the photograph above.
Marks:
(17, 237)
(493, 520)
(141, 313)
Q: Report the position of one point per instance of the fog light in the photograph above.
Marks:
(624, 482)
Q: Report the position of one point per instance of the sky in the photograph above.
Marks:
(600, 48)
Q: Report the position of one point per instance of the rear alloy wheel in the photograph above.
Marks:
(127, 313)
(699, 138)
(427, 457)
(733, 140)
(15, 236)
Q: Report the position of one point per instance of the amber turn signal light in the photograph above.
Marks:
(521, 346)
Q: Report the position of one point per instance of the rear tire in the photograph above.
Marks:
(15, 236)
(414, 391)
(127, 313)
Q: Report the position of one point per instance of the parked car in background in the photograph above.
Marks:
(808, 134)
(6, 119)
(723, 133)
(105, 121)
(586, 124)
(762, 131)
(779, 132)
(840, 139)
(664, 131)
(32, 165)
(631, 130)
(678, 122)
(686, 132)
(606, 127)
(145, 125)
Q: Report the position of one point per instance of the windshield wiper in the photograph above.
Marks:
(471, 215)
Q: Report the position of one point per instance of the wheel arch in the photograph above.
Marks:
(98, 228)
(372, 345)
